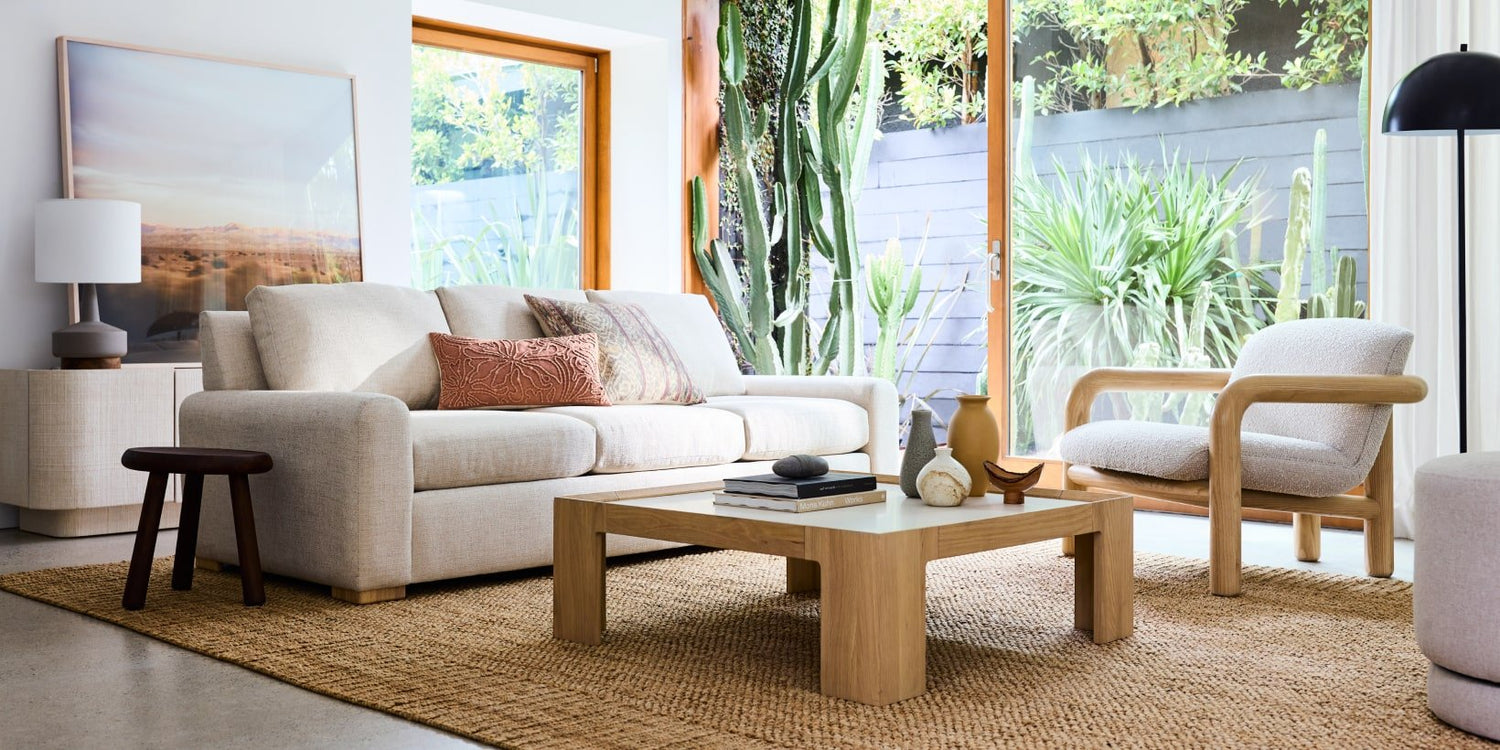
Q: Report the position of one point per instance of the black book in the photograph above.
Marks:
(773, 485)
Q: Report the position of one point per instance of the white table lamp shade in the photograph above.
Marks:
(88, 241)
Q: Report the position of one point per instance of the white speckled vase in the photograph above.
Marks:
(943, 481)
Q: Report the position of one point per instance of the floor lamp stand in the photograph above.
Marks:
(1463, 304)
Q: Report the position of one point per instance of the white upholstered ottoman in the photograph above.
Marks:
(1457, 590)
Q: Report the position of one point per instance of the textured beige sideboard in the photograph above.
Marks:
(61, 436)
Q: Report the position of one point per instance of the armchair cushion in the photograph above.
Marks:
(1325, 346)
(1272, 463)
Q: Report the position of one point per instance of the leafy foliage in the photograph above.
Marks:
(1120, 263)
(1335, 34)
(937, 47)
(539, 252)
(1137, 53)
(480, 116)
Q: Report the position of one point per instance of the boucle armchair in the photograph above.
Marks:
(1302, 418)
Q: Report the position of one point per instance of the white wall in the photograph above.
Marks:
(644, 38)
(368, 38)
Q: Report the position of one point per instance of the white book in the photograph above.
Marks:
(830, 502)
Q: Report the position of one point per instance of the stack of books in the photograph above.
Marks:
(773, 492)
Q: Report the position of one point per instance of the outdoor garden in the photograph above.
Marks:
(1183, 173)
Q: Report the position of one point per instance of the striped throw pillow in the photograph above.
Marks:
(637, 364)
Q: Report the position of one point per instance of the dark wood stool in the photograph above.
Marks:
(193, 463)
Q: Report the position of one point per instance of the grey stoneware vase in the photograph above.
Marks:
(921, 446)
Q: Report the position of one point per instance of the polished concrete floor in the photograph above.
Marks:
(73, 682)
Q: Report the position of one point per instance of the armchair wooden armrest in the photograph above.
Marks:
(1115, 379)
(1225, 468)
(1229, 410)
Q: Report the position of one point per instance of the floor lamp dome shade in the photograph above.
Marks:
(1447, 93)
(88, 242)
(1452, 94)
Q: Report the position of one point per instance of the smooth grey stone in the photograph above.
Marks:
(800, 466)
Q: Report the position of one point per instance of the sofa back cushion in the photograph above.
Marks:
(348, 337)
(230, 359)
(496, 312)
(693, 329)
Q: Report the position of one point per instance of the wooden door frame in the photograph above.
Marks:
(594, 66)
(701, 159)
(700, 126)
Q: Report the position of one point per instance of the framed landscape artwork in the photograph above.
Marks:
(246, 175)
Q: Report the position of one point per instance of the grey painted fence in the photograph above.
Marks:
(935, 181)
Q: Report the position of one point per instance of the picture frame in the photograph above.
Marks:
(247, 174)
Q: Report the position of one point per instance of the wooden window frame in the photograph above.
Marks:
(594, 65)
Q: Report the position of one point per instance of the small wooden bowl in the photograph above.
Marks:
(1013, 484)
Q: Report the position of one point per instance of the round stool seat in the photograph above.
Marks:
(1456, 597)
(196, 461)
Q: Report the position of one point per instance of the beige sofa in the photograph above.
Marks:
(374, 489)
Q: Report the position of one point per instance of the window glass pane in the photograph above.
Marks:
(496, 152)
(1169, 155)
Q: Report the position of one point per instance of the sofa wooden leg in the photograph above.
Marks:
(1068, 547)
(369, 596)
(1307, 528)
(203, 563)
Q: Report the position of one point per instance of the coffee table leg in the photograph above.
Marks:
(874, 615)
(577, 571)
(1104, 574)
(801, 575)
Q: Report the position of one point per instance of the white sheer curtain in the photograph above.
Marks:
(1413, 238)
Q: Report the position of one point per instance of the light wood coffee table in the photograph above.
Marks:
(868, 561)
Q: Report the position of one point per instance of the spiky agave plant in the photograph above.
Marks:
(1104, 257)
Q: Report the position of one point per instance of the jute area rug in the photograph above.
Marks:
(705, 650)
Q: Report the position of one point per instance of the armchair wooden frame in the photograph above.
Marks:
(1222, 494)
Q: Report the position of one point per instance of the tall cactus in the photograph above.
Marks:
(1318, 214)
(829, 114)
(745, 303)
(892, 297)
(1340, 300)
(1298, 225)
(841, 132)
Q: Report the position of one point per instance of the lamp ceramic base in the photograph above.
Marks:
(90, 363)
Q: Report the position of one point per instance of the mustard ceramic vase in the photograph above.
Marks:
(974, 436)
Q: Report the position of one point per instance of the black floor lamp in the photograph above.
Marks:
(1455, 93)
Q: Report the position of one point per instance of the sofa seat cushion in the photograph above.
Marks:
(1271, 463)
(645, 437)
(778, 426)
(471, 448)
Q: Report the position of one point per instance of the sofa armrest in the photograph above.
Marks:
(875, 395)
(336, 508)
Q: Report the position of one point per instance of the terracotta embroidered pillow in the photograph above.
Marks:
(637, 364)
(518, 373)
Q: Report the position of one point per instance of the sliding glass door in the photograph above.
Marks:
(1178, 174)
